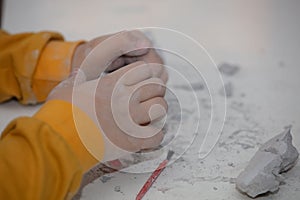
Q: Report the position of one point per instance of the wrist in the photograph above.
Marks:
(54, 66)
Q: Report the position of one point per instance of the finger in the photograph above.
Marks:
(148, 89)
(133, 73)
(142, 73)
(151, 57)
(110, 49)
(151, 110)
(157, 69)
(119, 62)
(116, 64)
(131, 59)
(139, 52)
(136, 73)
(125, 60)
(142, 46)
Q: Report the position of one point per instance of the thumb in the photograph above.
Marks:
(110, 49)
(137, 72)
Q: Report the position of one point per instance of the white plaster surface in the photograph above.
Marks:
(261, 37)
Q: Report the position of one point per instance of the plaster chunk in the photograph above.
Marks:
(262, 174)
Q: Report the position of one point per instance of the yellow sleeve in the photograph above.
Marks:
(31, 64)
(42, 157)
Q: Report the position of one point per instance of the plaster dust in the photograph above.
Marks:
(190, 177)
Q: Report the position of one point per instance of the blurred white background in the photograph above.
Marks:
(225, 28)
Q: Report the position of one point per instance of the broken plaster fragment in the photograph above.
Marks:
(262, 174)
(228, 69)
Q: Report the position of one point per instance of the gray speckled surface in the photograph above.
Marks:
(260, 37)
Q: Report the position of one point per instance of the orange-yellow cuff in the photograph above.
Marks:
(54, 65)
(62, 116)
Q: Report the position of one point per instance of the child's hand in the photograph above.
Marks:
(126, 101)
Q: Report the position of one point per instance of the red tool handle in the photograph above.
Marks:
(151, 179)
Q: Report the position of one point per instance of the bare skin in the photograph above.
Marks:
(126, 56)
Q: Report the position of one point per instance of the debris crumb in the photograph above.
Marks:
(230, 164)
(104, 178)
(228, 69)
(163, 189)
(117, 188)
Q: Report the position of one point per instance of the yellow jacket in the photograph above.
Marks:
(41, 157)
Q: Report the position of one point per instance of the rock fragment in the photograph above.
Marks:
(262, 174)
(228, 69)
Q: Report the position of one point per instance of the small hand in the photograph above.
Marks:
(127, 100)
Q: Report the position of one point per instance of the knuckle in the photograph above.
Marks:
(140, 63)
(157, 81)
(156, 69)
(163, 103)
